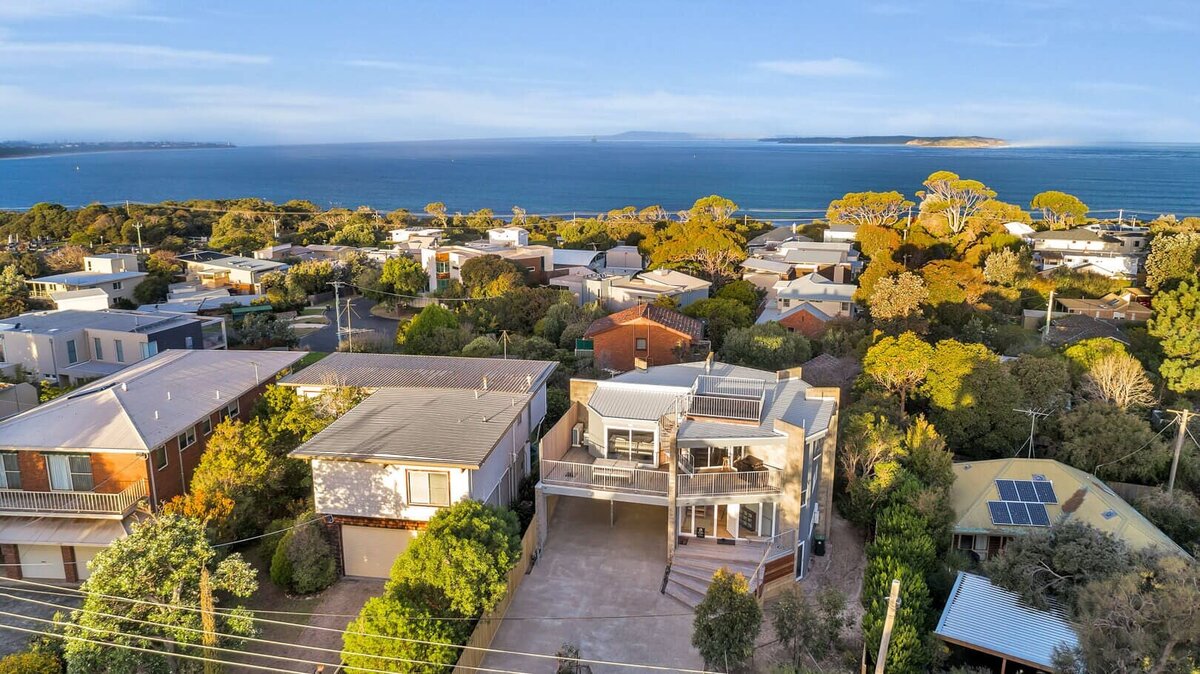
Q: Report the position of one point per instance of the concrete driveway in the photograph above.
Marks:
(12, 641)
(589, 575)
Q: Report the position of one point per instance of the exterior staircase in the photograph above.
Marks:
(694, 565)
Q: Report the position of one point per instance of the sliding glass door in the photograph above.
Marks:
(630, 445)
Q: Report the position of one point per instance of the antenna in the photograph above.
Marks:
(1034, 415)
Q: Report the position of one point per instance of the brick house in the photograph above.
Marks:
(79, 470)
(657, 335)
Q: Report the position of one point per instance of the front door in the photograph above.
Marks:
(699, 520)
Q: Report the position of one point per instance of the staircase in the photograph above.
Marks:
(694, 565)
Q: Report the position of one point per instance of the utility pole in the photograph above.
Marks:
(1049, 316)
(349, 328)
(337, 310)
(1181, 416)
(888, 622)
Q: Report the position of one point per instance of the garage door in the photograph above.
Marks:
(370, 552)
(42, 561)
(83, 555)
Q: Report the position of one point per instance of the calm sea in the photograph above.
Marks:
(556, 176)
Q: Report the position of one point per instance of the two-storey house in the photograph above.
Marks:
(1115, 252)
(114, 274)
(807, 303)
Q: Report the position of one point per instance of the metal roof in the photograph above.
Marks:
(815, 288)
(62, 530)
(761, 264)
(451, 426)
(100, 319)
(980, 615)
(88, 278)
(569, 257)
(384, 370)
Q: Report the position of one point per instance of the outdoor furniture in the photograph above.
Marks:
(614, 469)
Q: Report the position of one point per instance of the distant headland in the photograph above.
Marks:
(920, 141)
(20, 148)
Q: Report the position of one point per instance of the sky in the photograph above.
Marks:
(280, 72)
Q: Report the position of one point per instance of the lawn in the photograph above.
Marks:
(310, 358)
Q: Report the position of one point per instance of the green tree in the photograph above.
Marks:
(727, 622)
(483, 346)
(152, 290)
(700, 246)
(160, 562)
(491, 275)
(1005, 267)
(390, 626)
(1096, 435)
(741, 291)
(804, 626)
(434, 331)
(1175, 513)
(899, 364)
(713, 207)
(877, 269)
(303, 561)
(1172, 259)
(437, 211)
(953, 198)
(908, 652)
(31, 662)
(878, 209)
(240, 463)
(404, 276)
(766, 346)
(972, 399)
(290, 419)
(1045, 380)
(898, 298)
(1059, 209)
(1176, 323)
(265, 330)
(720, 316)
(466, 551)
(12, 282)
(357, 234)
(311, 276)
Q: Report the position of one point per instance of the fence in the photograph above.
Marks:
(1130, 492)
(485, 630)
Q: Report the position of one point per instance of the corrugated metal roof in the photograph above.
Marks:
(758, 263)
(385, 370)
(981, 615)
(87, 278)
(628, 402)
(450, 426)
(61, 531)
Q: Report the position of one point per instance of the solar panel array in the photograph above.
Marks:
(1026, 491)
(1023, 502)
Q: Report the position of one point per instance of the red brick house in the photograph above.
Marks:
(655, 334)
(78, 471)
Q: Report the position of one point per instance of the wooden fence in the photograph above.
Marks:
(489, 624)
(1128, 491)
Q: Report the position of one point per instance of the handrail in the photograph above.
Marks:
(766, 481)
(612, 478)
(78, 502)
(759, 575)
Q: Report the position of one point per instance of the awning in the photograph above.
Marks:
(60, 531)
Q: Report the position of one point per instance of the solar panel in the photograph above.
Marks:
(999, 512)
(1026, 491)
(1020, 514)
(1038, 515)
(1008, 490)
(1045, 492)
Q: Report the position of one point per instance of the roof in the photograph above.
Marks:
(88, 278)
(1077, 327)
(662, 280)
(774, 314)
(1078, 234)
(386, 370)
(232, 262)
(814, 256)
(1019, 228)
(569, 257)
(197, 303)
(815, 288)
(761, 264)
(667, 318)
(777, 235)
(452, 426)
(829, 370)
(61, 531)
(144, 405)
(1109, 302)
(1081, 496)
(988, 618)
(47, 322)
(78, 294)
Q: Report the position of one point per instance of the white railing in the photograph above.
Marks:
(777, 546)
(75, 502)
(608, 478)
(724, 407)
(739, 387)
(730, 482)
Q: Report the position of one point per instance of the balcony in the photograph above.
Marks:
(72, 503)
(730, 483)
(581, 471)
(727, 398)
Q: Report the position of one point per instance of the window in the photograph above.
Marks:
(631, 445)
(187, 438)
(230, 411)
(72, 353)
(158, 456)
(206, 426)
(149, 349)
(99, 349)
(120, 350)
(10, 476)
(188, 343)
(640, 344)
(428, 488)
(70, 472)
(966, 542)
(117, 285)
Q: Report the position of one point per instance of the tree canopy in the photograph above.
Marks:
(432, 332)
(879, 209)
(766, 346)
(899, 364)
(1176, 323)
(727, 621)
(1059, 209)
(952, 197)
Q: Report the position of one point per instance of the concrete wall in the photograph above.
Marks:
(17, 398)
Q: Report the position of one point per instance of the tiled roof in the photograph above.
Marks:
(668, 318)
(383, 370)
(1077, 327)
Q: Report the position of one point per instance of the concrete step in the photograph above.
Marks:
(698, 585)
(685, 595)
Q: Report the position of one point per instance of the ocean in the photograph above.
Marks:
(580, 176)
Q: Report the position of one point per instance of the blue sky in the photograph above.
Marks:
(270, 71)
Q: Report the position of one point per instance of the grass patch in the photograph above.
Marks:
(310, 358)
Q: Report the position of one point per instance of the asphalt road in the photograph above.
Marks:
(365, 324)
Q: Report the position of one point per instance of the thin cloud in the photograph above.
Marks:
(130, 55)
(831, 67)
(1002, 42)
(44, 9)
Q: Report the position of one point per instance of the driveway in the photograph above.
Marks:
(598, 587)
(12, 641)
(366, 325)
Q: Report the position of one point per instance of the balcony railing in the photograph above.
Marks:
(73, 503)
(606, 478)
(768, 481)
(727, 398)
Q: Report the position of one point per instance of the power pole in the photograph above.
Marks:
(1182, 417)
(349, 328)
(1049, 316)
(888, 622)
(337, 310)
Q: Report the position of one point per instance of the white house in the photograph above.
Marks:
(618, 291)
(218, 270)
(831, 299)
(113, 273)
(840, 233)
(1117, 253)
(508, 236)
(444, 263)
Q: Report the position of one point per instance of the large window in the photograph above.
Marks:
(70, 472)
(715, 457)
(99, 349)
(120, 350)
(72, 352)
(10, 476)
(428, 488)
(631, 445)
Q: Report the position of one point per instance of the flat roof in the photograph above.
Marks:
(45, 322)
(88, 278)
(387, 370)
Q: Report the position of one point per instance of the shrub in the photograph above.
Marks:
(30, 663)
(412, 612)
(303, 561)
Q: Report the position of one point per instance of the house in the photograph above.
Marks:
(624, 258)
(407, 234)
(17, 398)
(312, 251)
(840, 259)
(569, 258)
(115, 274)
(1078, 327)
(995, 501)
(621, 290)
(840, 233)
(655, 335)
(983, 617)
(1020, 229)
(432, 431)
(808, 303)
(1131, 304)
(87, 299)
(444, 263)
(69, 346)
(1116, 253)
(732, 455)
(508, 236)
(238, 274)
(80, 469)
(772, 239)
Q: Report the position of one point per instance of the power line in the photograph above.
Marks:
(1145, 445)
(270, 533)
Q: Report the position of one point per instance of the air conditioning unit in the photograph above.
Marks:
(577, 435)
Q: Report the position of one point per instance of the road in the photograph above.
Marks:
(373, 327)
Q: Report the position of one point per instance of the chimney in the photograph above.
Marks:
(708, 361)
(124, 386)
(640, 364)
(485, 382)
(156, 414)
(168, 395)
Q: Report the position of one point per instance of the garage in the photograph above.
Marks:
(370, 551)
(83, 555)
(42, 561)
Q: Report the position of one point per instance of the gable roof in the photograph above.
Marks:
(983, 616)
(146, 404)
(1091, 501)
(1077, 327)
(667, 318)
(388, 370)
(662, 280)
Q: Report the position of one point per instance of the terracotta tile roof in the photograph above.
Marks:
(668, 318)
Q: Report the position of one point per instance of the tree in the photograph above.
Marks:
(972, 398)
(1175, 513)
(804, 627)
(1119, 379)
(289, 419)
(265, 330)
(1173, 258)
(437, 211)
(239, 463)
(877, 209)
(30, 662)
(491, 275)
(727, 621)
(897, 298)
(403, 276)
(766, 346)
(161, 563)
(482, 346)
(741, 291)
(1059, 209)
(12, 283)
(952, 197)
(1096, 436)
(65, 259)
(1005, 267)
(1176, 323)
(877, 269)
(720, 316)
(713, 207)
(1046, 380)
(434, 331)
(466, 551)
(390, 626)
(899, 364)
(1053, 565)
(152, 290)
(303, 561)
(310, 276)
